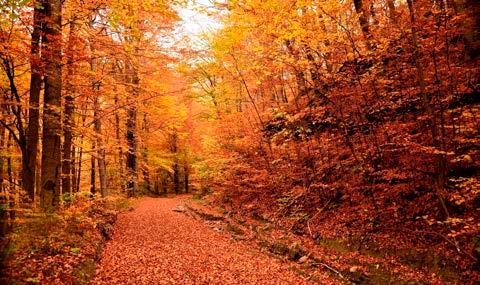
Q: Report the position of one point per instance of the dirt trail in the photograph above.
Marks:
(155, 245)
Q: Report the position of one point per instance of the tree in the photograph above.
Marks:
(51, 138)
(68, 169)
(36, 70)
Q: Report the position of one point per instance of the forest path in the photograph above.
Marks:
(155, 245)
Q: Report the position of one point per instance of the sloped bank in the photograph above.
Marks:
(348, 259)
(60, 248)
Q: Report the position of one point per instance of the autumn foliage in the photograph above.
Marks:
(342, 121)
(352, 120)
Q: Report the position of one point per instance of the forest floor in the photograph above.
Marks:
(162, 242)
(187, 240)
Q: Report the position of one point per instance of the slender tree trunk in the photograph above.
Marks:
(93, 188)
(186, 176)
(146, 173)
(164, 185)
(121, 166)
(80, 156)
(11, 180)
(3, 189)
(99, 145)
(176, 178)
(2, 159)
(175, 167)
(79, 168)
(32, 132)
(51, 150)
(102, 170)
(131, 136)
(74, 169)
(69, 121)
(132, 163)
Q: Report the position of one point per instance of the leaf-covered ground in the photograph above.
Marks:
(155, 245)
(59, 248)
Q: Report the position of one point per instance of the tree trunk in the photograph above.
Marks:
(132, 163)
(363, 21)
(121, 166)
(174, 150)
(68, 121)
(2, 159)
(3, 189)
(79, 168)
(73, 171)
(392, 12)
(51, 152)
(185, 176)
(93, 189)
(472, 36)
(32, 132)
(102, 170)
(176, 180)
(11, 180)
(131, 136)
(146, 173)
(80, 156)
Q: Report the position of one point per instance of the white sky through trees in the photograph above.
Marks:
(196, 21)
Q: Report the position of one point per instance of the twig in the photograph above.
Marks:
(316, 214)
(459, 250)
(333, 270)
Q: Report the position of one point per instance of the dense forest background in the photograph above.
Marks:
(351, 122)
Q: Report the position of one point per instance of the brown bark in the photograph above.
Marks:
(102, 170)
(93, 188)
(131, 136)
(2, 161)
(186, 177)
(73, 171)
(175, 167)
(69, 111)
(79, 167)
(80, 157)
(121, 166)
(32, 131)
(472, 36)
(97, 123)
(146, 173)
(363, 21)
(51, 151)
(392, 12)
(3, 190)
(11, 180)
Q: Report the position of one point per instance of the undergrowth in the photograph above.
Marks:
(63, 246)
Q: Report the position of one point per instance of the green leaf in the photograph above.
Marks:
(75, 250)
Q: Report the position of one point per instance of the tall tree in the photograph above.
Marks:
(69, 121)
(131, 134)
(51, 145)
(32, 136)
(175, 166)
(102, 169)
